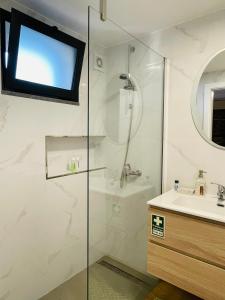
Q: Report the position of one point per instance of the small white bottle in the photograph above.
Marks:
(78, 159)
(200, 186)
(176, 185)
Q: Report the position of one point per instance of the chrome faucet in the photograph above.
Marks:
(129, 172)
(220, 194)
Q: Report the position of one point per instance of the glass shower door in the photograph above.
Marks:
(125, 159)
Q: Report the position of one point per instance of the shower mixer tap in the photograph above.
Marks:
(129, 172)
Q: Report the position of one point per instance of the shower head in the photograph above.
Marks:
(130, 85)
(124, 77)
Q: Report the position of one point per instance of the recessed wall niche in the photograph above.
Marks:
(67, 155)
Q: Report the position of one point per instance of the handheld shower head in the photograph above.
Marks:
(124, 77)
(130, 85)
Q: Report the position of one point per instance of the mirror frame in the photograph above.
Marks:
(193, 101)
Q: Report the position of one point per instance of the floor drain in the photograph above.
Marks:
(122, 273)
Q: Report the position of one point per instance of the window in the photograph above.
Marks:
(5, 29)
(39, 59)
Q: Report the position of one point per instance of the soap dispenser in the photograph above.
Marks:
(200, 186)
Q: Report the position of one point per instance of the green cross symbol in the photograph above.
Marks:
(158, 221)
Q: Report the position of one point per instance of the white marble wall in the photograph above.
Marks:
(189, 47)
(42, 223)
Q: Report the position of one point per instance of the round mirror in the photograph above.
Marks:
(208, 106)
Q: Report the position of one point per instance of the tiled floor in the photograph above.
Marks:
(106, 284)
(73, 289)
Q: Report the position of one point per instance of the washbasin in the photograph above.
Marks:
(207, 204)
(200, 206)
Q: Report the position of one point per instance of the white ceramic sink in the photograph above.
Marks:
(205, 207)
(207, 204)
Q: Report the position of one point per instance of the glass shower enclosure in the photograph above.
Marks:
(126, 80)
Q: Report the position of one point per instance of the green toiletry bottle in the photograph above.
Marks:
(72, 167)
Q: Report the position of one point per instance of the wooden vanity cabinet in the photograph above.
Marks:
(191, 255)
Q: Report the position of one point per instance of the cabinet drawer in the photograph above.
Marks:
(191, 236)
(192, 275)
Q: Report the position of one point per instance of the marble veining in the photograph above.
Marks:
(7, 274)
(193, 36)
(18, 158)
(23, 154)
(53, 256)
(183, 154)
(4, 108)
(181, 71)
(21, 216)
(68, 193)
(68, 228)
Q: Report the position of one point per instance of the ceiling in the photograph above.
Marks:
(137, 17)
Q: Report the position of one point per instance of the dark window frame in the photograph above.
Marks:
(11, 84)
(5, 16)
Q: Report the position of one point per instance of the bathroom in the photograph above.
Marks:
(101, 189)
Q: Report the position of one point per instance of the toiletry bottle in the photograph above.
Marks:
(176, 185)
(78, 163)
(72, 165)
(200, 186)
